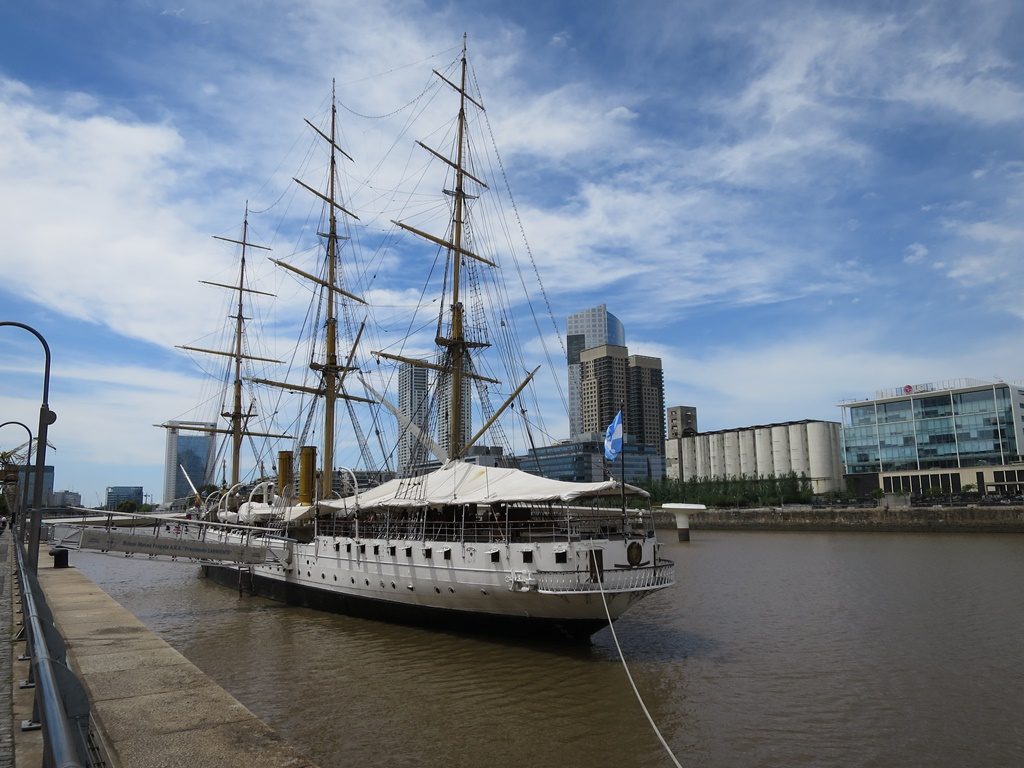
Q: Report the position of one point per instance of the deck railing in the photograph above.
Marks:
(612, 579)
(544, 529)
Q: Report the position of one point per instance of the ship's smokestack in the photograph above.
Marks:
(285, 474)
(307, 473)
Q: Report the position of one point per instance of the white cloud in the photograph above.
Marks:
(915, 253)
(87, 204)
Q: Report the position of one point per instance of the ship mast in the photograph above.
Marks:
(236, 418)
(457, 343)
(330, 367)
(331, 373)
(456, 364)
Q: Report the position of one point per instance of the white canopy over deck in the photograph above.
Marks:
(460, 483)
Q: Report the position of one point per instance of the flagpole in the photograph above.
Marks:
(614, 440)
(622, 456)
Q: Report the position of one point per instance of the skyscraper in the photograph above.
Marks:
(444, 397)
(590, 328)
(645, 402)
(414, 403)
(604, 378)
(193, 450)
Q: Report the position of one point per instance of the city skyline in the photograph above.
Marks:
(790, 206)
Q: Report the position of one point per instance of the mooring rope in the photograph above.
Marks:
(639, 698)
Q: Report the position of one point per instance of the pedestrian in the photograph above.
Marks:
(3, 523)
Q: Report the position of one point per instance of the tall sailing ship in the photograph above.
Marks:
(454, 538)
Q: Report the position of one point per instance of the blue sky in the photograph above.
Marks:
(791, 204)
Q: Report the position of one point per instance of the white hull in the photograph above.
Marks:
(475, 582)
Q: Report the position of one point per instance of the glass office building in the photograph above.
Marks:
(582, 461)
(926, 428)
(191, 449)
(590, 328)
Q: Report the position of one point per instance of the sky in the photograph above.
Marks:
(791, 204)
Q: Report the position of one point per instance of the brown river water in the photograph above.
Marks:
(773, 649)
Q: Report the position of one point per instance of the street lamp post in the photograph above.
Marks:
(46, 418)
(24, 485)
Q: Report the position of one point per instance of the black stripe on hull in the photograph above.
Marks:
(571, 630)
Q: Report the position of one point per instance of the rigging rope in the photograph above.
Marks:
(639, 698)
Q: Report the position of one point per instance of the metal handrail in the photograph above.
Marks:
(61, 749)
(657, 576)
(531, 529)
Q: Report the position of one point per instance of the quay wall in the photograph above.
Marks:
(150, 706)
(980, 519)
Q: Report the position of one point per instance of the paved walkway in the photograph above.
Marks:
(152, 707)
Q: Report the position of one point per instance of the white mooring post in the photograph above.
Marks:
(682, 514)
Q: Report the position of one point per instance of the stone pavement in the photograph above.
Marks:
(152, 708)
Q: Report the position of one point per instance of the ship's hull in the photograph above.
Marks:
(454, 586)
(576, 630)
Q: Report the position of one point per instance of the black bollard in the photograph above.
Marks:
(60, 557)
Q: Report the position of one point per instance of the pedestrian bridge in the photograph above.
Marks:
(171, 537)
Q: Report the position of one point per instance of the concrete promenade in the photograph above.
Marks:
(151, 706)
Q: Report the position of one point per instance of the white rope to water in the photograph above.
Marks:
(615, 637)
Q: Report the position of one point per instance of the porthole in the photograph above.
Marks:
(335, 577)
(322, 576)
(437, 590)
(452, 590)
(367, 582)
(353, 581)
(393, 585)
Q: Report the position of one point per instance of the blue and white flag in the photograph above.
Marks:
(613, 438)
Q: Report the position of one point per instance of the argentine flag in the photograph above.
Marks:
(613, 438)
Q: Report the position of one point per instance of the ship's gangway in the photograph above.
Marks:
(171, 537)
